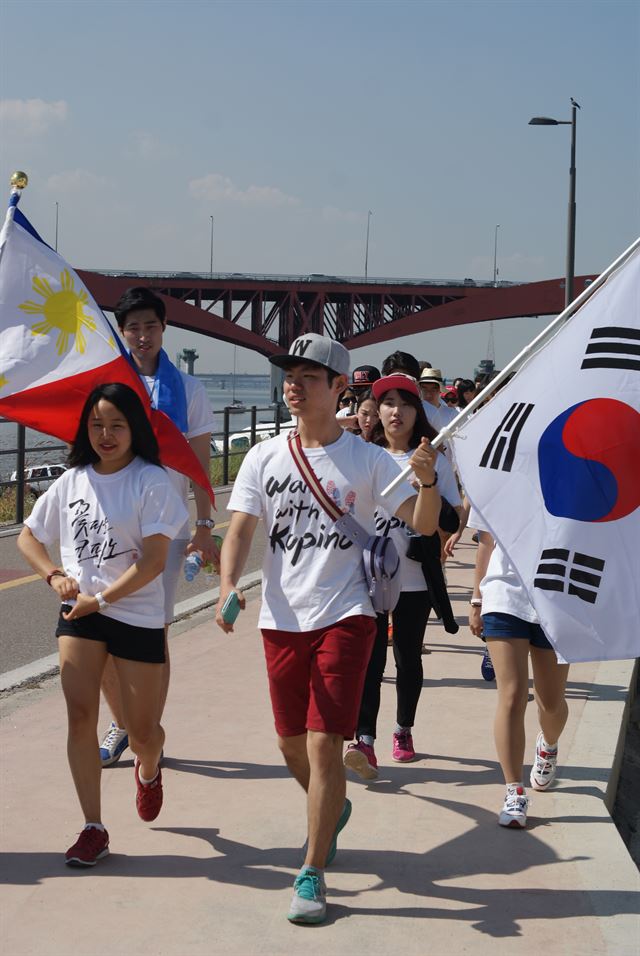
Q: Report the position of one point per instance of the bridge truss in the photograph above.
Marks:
(266, 313)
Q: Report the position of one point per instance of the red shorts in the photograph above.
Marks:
(316, 677)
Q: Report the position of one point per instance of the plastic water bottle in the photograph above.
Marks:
(192, 566)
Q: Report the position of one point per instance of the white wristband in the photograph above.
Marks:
(102, 601)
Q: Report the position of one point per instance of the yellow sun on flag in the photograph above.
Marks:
(62, 310)
(3, 381)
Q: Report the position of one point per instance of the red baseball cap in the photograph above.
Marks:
(404, 383)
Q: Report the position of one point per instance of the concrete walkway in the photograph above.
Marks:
(422, 867)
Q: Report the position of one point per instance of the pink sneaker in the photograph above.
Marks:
(361, 758)
(403, 751)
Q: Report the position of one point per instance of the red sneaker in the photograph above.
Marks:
(148, 796)
(91, 846)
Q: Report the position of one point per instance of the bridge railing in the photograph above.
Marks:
(18, 491)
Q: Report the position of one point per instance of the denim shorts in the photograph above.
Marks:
(509, 626)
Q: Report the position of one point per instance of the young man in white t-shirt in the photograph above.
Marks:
(141, 318)
(317, 620)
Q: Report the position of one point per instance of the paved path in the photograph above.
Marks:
(422, 867)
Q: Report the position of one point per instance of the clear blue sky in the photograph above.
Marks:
(288, 121)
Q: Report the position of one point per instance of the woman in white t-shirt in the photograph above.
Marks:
(402, 424)
(502, 614)
(113, 514)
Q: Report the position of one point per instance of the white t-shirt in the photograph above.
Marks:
(501, 590)
(312, 576)
(100, 521)
(199, 420)
(388, 524)
(440, 416)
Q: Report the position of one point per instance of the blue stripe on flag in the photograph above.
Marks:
(24, 222)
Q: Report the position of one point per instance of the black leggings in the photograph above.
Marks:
(409, 623)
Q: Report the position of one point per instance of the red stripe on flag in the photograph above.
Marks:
(55, 409)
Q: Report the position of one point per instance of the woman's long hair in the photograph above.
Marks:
(466, 385)
(421, 427)
(143, 441)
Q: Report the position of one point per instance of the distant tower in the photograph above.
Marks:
(178, 360)
(189, 357)
(491, 348)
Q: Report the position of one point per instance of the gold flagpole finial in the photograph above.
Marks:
(19, 179)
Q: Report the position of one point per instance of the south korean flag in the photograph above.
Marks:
(552, 464)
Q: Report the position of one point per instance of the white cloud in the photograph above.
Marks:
(144, 145)
(333, 214)
(214, 187)
(31, 117)
(76, 180)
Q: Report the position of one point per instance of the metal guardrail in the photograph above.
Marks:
(227, 452)
(21, 450)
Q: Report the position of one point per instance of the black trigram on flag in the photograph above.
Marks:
(584, 577)
(501, 450)
(613, 346)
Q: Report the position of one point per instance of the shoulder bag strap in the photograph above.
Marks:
(310, 477)
(347, 524)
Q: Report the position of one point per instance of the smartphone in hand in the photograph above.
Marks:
(230, 609)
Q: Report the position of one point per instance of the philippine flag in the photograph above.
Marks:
(56, 346)
(551, 463)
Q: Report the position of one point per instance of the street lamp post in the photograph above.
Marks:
(571, 227)
(211, 256)
(495, 256)
(366, 248)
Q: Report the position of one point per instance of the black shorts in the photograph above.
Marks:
(143, 644)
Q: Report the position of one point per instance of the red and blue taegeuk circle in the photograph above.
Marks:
(589, 461)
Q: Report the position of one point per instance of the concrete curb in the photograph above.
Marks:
(48, 666)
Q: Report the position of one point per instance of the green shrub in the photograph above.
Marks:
(215, 468)
(8, 505)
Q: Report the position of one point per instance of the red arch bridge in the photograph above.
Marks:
(266, 312)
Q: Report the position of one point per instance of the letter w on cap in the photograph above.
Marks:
(301, 346)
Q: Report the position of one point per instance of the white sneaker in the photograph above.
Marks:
(309, 904)
(543, 772)
(514, 811)
(114, 743)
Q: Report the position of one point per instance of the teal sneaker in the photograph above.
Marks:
(309, 903)
(340, 825)
(333, 846)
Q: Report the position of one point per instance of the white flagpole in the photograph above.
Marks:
(449, 430)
